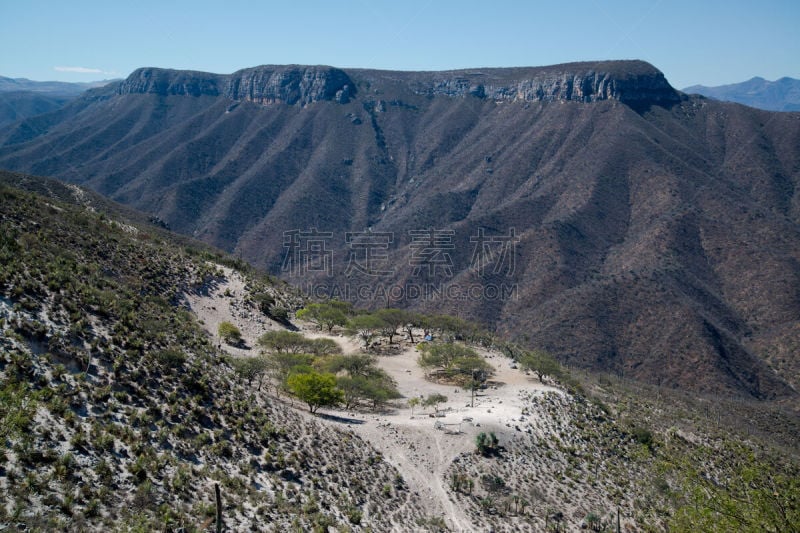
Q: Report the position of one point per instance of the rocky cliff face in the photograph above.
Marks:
(170, 82)
(626, 81)
(581, 87)
(263, 85)
(290, 85)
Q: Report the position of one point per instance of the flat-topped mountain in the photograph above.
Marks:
(654, 234)
(628, 81)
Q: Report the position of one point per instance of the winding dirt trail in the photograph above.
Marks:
(412, 444)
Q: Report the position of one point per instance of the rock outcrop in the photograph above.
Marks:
(626, 81)
(166, 82)
(263, 85)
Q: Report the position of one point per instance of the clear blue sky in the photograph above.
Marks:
(708, 42)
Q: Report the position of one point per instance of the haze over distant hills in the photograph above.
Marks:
(779, 95)
(655, 234)
(54, 88)
(21, 98)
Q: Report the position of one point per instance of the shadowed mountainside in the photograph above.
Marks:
(659, 234)
(20, 105)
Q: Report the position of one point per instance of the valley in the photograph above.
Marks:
(609, 342)
(650, 230)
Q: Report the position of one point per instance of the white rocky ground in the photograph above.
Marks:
(418, 446)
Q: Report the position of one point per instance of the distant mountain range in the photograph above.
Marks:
(53, 88)
(21, 98)
(645, 232)
(778, 95)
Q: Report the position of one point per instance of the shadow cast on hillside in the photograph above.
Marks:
(340, 419)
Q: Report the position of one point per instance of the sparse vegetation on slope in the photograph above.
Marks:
(118, 412)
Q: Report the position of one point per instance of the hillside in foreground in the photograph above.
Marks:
(118, 412)
(121, 410)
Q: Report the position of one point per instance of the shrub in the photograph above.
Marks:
(229, 333)
(171, 358)
(264, 301)
(279, 313)
(315, 389)
(486, 445)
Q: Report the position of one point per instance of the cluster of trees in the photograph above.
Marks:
(540, 363)
(361, 381)
(316, 372)
(454, 362)
(389, 322)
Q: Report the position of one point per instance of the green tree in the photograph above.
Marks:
(392, 320)
(485, 444)
(455, 362)
(264, 301)
(363, 380)
(323, 347)
(413, 320)
(283, 364)
(279, 313)
(449, 327)
(229, 333)
(315, 389)
(284, 341)
(444, 355)
(251, 368)
(380, 389)
(366, 327)
(539, 362)
(324, 315)
(354, 365)
(358, 389)
(433, 400)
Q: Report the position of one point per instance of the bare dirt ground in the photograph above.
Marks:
(421, 446)
(213, 307)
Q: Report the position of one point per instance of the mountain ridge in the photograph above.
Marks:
(53, 88)
(629, 212)
(298, 84)
(782, 94)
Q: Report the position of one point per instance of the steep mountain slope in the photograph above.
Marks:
(778, 95)
(658, 234)
(15, 106)
(21, 98)
(118, 413)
